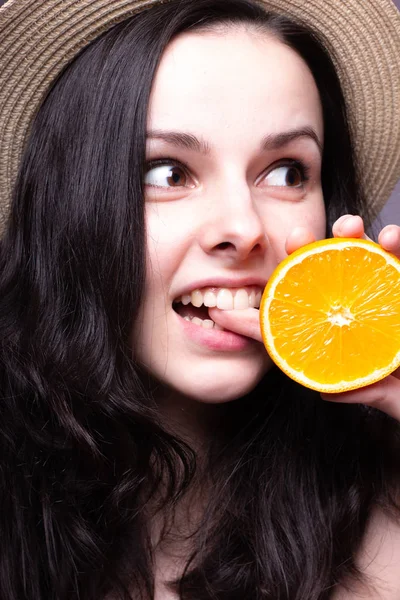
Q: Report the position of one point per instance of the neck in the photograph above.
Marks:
(196, 423)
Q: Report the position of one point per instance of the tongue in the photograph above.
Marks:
(192, 311)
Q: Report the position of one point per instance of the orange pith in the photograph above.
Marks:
(330, 314)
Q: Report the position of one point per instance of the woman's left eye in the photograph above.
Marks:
(167, 175)
(286, 176)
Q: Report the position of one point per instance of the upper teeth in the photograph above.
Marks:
(223, 298)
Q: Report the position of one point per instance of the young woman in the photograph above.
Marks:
(149, 449)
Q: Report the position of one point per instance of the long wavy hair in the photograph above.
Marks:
(83, 451)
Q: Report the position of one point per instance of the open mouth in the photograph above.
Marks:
(194, 307)
(198, 315)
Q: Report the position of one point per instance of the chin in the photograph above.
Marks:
(220, 387)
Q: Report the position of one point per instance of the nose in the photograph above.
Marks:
(234, 227)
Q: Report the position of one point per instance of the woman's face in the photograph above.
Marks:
(235, 133)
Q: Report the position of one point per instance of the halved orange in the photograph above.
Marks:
(330, 314)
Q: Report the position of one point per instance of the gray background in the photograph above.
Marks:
(391, 212)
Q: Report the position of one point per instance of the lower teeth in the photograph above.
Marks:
(206, 323)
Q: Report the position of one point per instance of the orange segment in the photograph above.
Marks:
(330, 314)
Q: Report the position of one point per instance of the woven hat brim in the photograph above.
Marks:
(38, 39)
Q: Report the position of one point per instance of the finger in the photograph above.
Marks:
(389, 239)
(384, 395)
(351, 226)
(245, 322)
(300, 236)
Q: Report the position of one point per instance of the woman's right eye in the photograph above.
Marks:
(166, 176)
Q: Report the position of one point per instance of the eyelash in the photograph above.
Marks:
(160, 162)
(289, 162)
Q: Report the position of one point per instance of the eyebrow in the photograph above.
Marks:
(181, 140)
(279, 140)
(189, 141)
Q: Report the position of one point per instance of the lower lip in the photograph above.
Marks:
(214, 339)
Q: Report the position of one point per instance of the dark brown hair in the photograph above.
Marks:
(81, 445)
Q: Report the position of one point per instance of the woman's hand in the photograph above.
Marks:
(385, 394)
(347, 226)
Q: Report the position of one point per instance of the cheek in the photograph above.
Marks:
(162, 249)
(160, 262)
(168, 233)
(282, 220)
(315, 220)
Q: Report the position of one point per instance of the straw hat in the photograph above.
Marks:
(39, 37)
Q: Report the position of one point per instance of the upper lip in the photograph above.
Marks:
(223, 282)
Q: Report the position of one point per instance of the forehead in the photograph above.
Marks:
(217, 81)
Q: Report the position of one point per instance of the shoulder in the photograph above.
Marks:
(378, 560)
